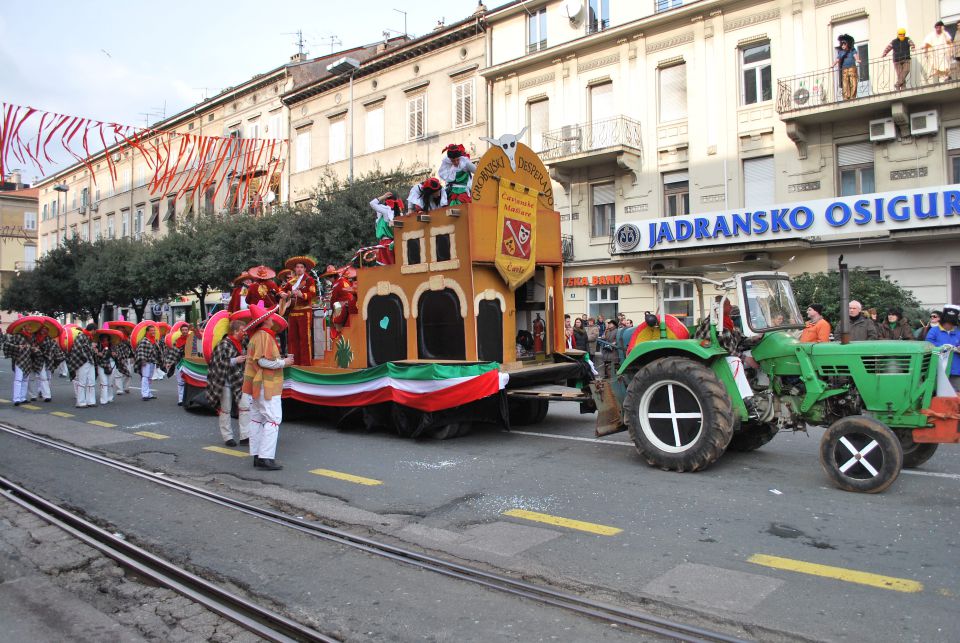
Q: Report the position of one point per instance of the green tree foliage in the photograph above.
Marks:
(202, 254)
(872, 292)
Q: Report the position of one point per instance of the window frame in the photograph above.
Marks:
(673, 190)
(660, 94)
(535, 145)
(470, 84)
(29, 220)
(595, 302)
(682, 297)
(332, 136)
(757, 71)
(412, 109)
(611, 214)
(858, 170)
(537, 21)
(381, 142)
(599, 23)
(304, 151)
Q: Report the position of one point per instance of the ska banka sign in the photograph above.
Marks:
(866, 214)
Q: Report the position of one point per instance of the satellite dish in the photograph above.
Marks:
(271, 197)
(573, 9)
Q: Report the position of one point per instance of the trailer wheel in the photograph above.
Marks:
(915, 453)
(527, 411)
(859, 453)
(679, 414)
(751, 437)
(452, 430)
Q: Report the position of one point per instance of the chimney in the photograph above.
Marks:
(297, 58)
(16, 178)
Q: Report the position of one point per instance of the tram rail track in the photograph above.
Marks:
(598, 610)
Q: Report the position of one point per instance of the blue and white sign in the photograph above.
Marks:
(864, 214)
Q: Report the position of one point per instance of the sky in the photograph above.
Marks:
(130, 61)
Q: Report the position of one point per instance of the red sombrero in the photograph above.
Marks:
(162, 329)
(284, 274)
(32, 323)
(241, 315)
(140, 331)
(116, 336)
(68, 336)
(239, 279)
(330, 271)
(217, 326)
(262, 272)
(125, 327)
(260, 315)
(309, 262)
(176, 332)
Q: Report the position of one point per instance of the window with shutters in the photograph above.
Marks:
(274, 127)
(96, 229)
(759, 186)
(602, 216)
(536, 30)
(416, 117)
(953, 154)
(303, 151)
(855, 168)
(29, 220)
(337, 144)
(676, 193)
(110, 226)
(373, 132)
(463, 103)
(141, 176)
(253, 129)
(538, 116)
(673, 93)
(125, 223)
(757, 80)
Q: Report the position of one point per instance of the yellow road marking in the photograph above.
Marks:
(579, 525)
(370, 482)
(838, 573)
(3, 401)
(225, 451)
(32, 407)
(61, 414)
(155, 436)
(101, 423)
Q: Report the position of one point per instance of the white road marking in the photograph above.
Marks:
(144, 424)
(620, 443)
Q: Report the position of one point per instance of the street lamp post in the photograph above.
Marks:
(61, 187)
(343, 66)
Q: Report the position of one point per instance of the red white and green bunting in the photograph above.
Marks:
(426, 387)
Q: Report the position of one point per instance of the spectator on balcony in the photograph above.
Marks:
(935, 49)
(847, 61)
(901, 46)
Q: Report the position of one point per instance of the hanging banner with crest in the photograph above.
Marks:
(517, 233)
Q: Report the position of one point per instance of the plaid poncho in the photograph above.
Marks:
(121, 353)
(49, 357)
(17, 348)
(80, 354)
(171, 357)
(147, 353)
(221, 373)
(105, 359)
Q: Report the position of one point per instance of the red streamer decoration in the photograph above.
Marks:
(180, 162)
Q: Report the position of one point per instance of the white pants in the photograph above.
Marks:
(265, 417)
(121, 381)
(158, 374)
(105, 384)
(740, 377)
(181, 385)
(85, 385)
(38, 384)
(20, 384)
(146, 372)
(223, 415)
(63, 371)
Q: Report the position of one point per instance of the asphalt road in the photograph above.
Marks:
(759, 538)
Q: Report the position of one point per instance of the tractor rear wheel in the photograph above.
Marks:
(527, 411)
(752, 436)
(452, 430)
(679, 414)
(915, 453)
(859, 453)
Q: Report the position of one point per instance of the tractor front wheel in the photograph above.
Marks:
(679, 414)
(859, 453)
(915, 453)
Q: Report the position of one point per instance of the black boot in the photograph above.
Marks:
(257, 462)
(269, 464)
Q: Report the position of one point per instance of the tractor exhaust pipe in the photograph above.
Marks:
(844, 302)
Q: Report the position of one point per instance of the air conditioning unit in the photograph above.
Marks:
(664, 264)
(569, 139)
(923, 123)
(95, 206)
(83, 209)
(882, 129)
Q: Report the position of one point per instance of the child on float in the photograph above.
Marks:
(388, 206)
(457, 170)
(427, 196)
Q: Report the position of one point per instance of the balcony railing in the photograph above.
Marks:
(877, 76)
(659, 6)
(571, 140)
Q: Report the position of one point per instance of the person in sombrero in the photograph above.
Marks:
(263, 385)
(46, 357)
(238, 296)
(300, 290)
(145, 361)
(224, 383)
(81, 364)
(122, 356)
(17, 347)
(263, 291)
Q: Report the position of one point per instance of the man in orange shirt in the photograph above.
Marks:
(818, 328)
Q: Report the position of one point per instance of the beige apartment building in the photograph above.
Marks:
(18, 231)
(683, 133)
(408, 103)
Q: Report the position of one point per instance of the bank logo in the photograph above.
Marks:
(628, 236)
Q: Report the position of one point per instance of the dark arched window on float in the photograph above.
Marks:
(489, 331)
(440, 326)
(386, 330)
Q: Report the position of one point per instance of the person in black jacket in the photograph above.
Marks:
(862, 327)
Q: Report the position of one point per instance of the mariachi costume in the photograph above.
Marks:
(81, 364)
(174, 347)
(122, 356)
(262, 292)
(17, 347)
(146, 358)
(301, 291)
(238, 296)
(391, 208)
(106, 361)
(262, 387)
(46, 357)
(457, 170)
(224, 381)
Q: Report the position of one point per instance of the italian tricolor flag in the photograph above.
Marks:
(427, 387)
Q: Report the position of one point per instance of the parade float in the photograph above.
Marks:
(466, 326)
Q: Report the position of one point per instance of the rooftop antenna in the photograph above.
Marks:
(404, 21)
(334, 42)
(299, 42)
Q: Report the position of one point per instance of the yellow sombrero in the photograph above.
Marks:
(32, 323)
(140, 331)
(309, 262)
(125, 327)
(116, 336)
(178, 330)
(217, 327)
(67, 336)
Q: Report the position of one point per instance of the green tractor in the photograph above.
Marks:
(687, 395)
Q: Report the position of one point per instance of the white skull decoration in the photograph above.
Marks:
(507, 143)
